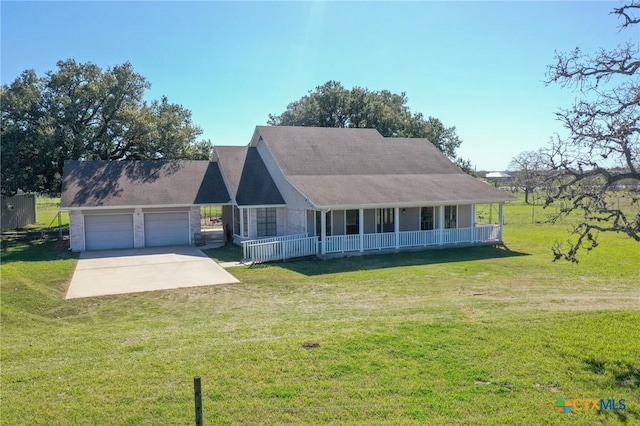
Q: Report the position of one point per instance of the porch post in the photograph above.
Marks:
(473, 223)
(361, 226)
(241, 211)
(500, 220)
(396, 225)
(323, 231)
(440, 224)
(248, 222)
(233, 221)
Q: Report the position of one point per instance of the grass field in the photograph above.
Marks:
(47, 209)
(460, 336)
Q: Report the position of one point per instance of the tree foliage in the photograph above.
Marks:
(602, 150)
(333, 105)
(81, 112)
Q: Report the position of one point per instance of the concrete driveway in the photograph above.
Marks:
(105, 272)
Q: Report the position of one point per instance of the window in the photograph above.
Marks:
(384, 220)
(236, 220)
(266, 222)
(352, 222)
(319, 224)
(245, 222)
(426, 218)
(450, 216)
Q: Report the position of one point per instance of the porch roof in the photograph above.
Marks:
(335, 167)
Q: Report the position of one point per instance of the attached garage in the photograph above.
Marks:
(138, 204)
(166, 229)
(108, 231)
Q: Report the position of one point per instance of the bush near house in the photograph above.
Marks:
(460, 336)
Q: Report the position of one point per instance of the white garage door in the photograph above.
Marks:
(108, 231)
(166, 229)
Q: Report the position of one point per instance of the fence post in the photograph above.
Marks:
(197, 392)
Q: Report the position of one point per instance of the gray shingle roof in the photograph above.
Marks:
(336, 167)
(247, 176)
(142, 183)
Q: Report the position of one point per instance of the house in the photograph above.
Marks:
(498, 177)
(299, 191)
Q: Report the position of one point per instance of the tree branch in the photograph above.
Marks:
(627, 12)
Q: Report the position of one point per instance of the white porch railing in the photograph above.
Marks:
(456, 235)
(379, 241)
(418, 238)
(487, 232)
(300, 245)
(345, 243)
(258, 251)
(342, 243)
(245, 243)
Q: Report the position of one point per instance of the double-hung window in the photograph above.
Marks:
(426, 218)
(352, 222)
(245, 221)
(266, 222)
(450, 216)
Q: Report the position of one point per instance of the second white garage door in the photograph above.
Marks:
(166, 229)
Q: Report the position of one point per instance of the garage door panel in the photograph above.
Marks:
(105, 232)
(165, 229)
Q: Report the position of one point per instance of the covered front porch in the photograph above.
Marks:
(335, 232)
(360, 230)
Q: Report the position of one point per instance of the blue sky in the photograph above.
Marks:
(477, 65)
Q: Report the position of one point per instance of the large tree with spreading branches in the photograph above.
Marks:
(82, 112)
(599, 161)
(528, 170)
(333, 105)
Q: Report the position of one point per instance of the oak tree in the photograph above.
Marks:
(82, 112)
(528, 169)
(598, 162)
(333, 105)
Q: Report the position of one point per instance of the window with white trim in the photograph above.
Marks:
(245, 222)
(426, 219)
(385, 220)
(352, 222)
(236, 220)
(450, 216)
(266, 223)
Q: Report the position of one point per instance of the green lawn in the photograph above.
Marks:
(47, 209)
(460, 336)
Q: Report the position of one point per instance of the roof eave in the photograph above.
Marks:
(260, 206)
(409, 204)
(143, 206)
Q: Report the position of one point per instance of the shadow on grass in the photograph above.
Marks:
(34, 250)
(624, 374)
(392, 260)
(227, 253)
